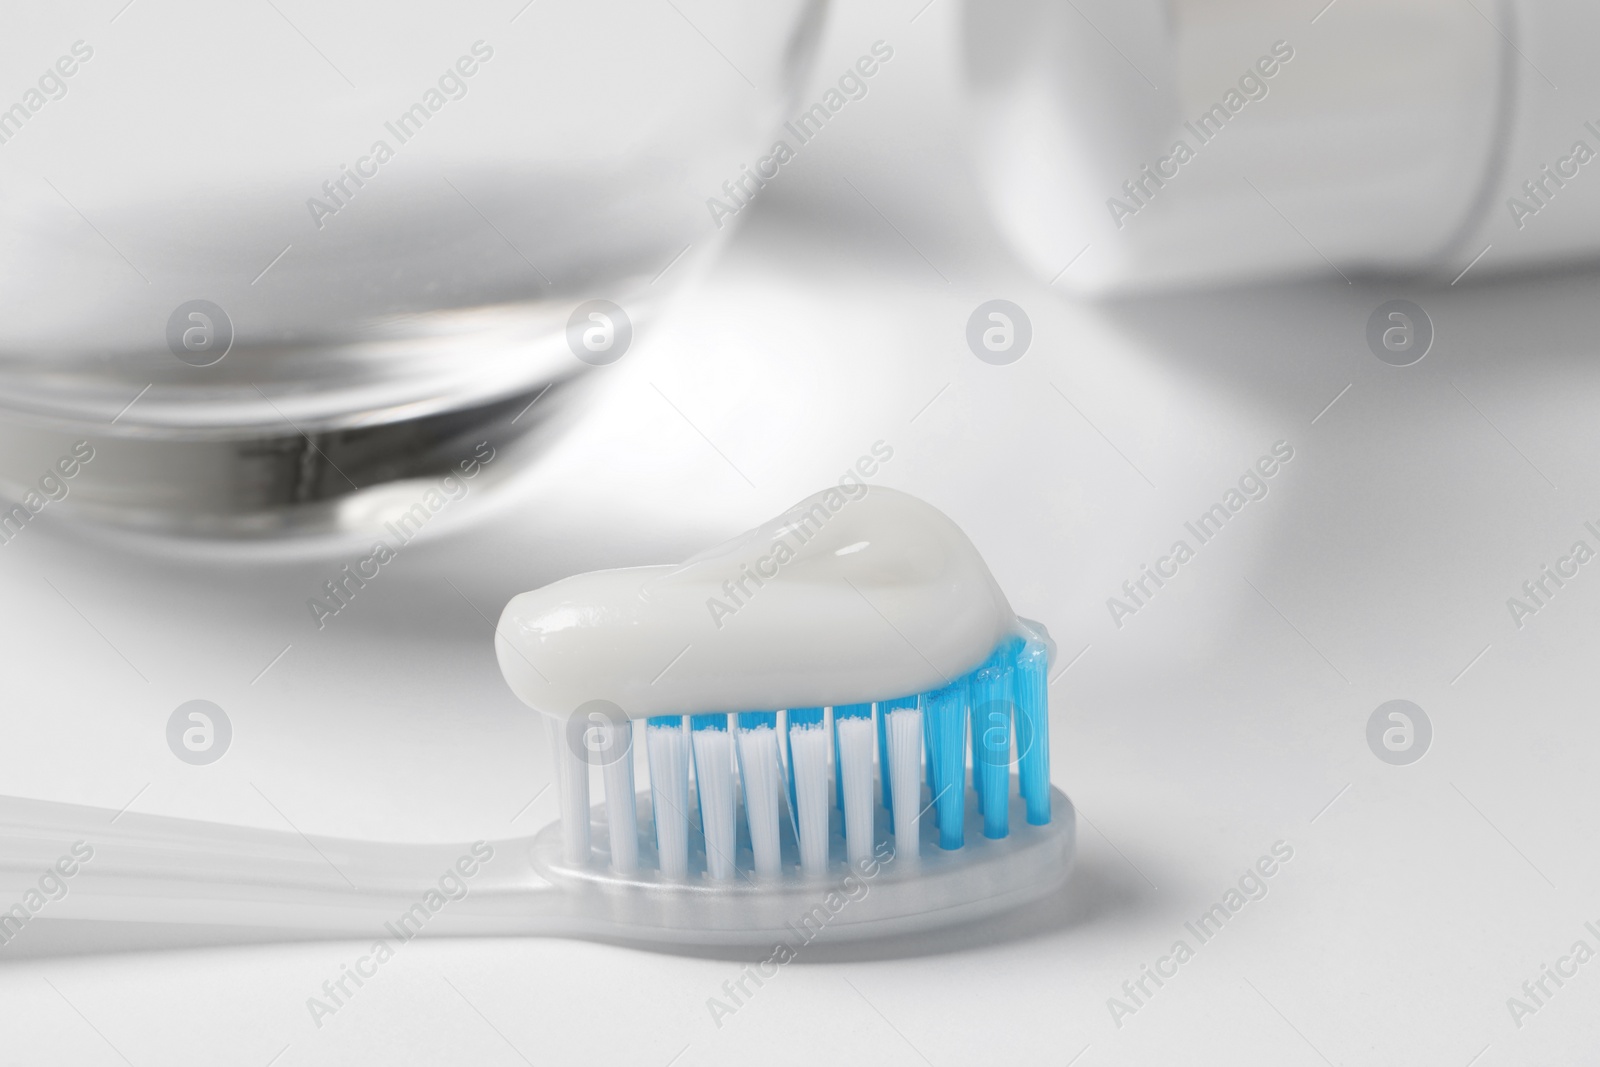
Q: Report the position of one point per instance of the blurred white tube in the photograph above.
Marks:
(1364, 136)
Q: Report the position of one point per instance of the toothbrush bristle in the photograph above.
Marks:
(904, 729)
(666, 748)
(991, 741)
(818, 760)
(622, 808)
(809, 756)
(1031, 683)
(853, 733)
(761, 774)
(945, 711)
(713, 777)
(572, 792)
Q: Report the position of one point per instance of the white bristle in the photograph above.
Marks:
(905, 780)
(809, 752)
(713, 775)
(622, 812)
(572, 793)
(667, 749)
(759, 771)
(856, 740)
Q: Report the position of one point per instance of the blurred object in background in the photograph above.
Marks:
(259, 256)
(1136, 144)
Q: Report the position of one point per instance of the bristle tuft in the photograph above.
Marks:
(762, 776)
(946, 712)
(622, 807)
(1031, 683)
(809, 752)
(713, 776)
(904, 729)
(667, 749)
(854, 732)
(572, 794)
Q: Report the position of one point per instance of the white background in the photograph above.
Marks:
(1229, 714)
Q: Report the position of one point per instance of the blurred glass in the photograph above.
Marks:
(241, 241)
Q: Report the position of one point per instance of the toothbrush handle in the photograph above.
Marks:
(66, 861)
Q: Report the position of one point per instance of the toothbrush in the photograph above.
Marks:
(853, 672)
(830, 707)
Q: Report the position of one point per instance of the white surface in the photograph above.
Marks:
(1227, 715)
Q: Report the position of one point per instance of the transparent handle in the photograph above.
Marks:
(65, 861)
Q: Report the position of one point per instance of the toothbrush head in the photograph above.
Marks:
(863, 719)
(880, 896)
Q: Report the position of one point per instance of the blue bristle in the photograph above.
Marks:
(992, 713)
(883, 759)
(838, 779)
(718, 721)
(754, 720)
(1031, 691)
(974, 732)
(945, 712)
(806, 716)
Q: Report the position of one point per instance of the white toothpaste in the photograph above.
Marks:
(855, 594)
